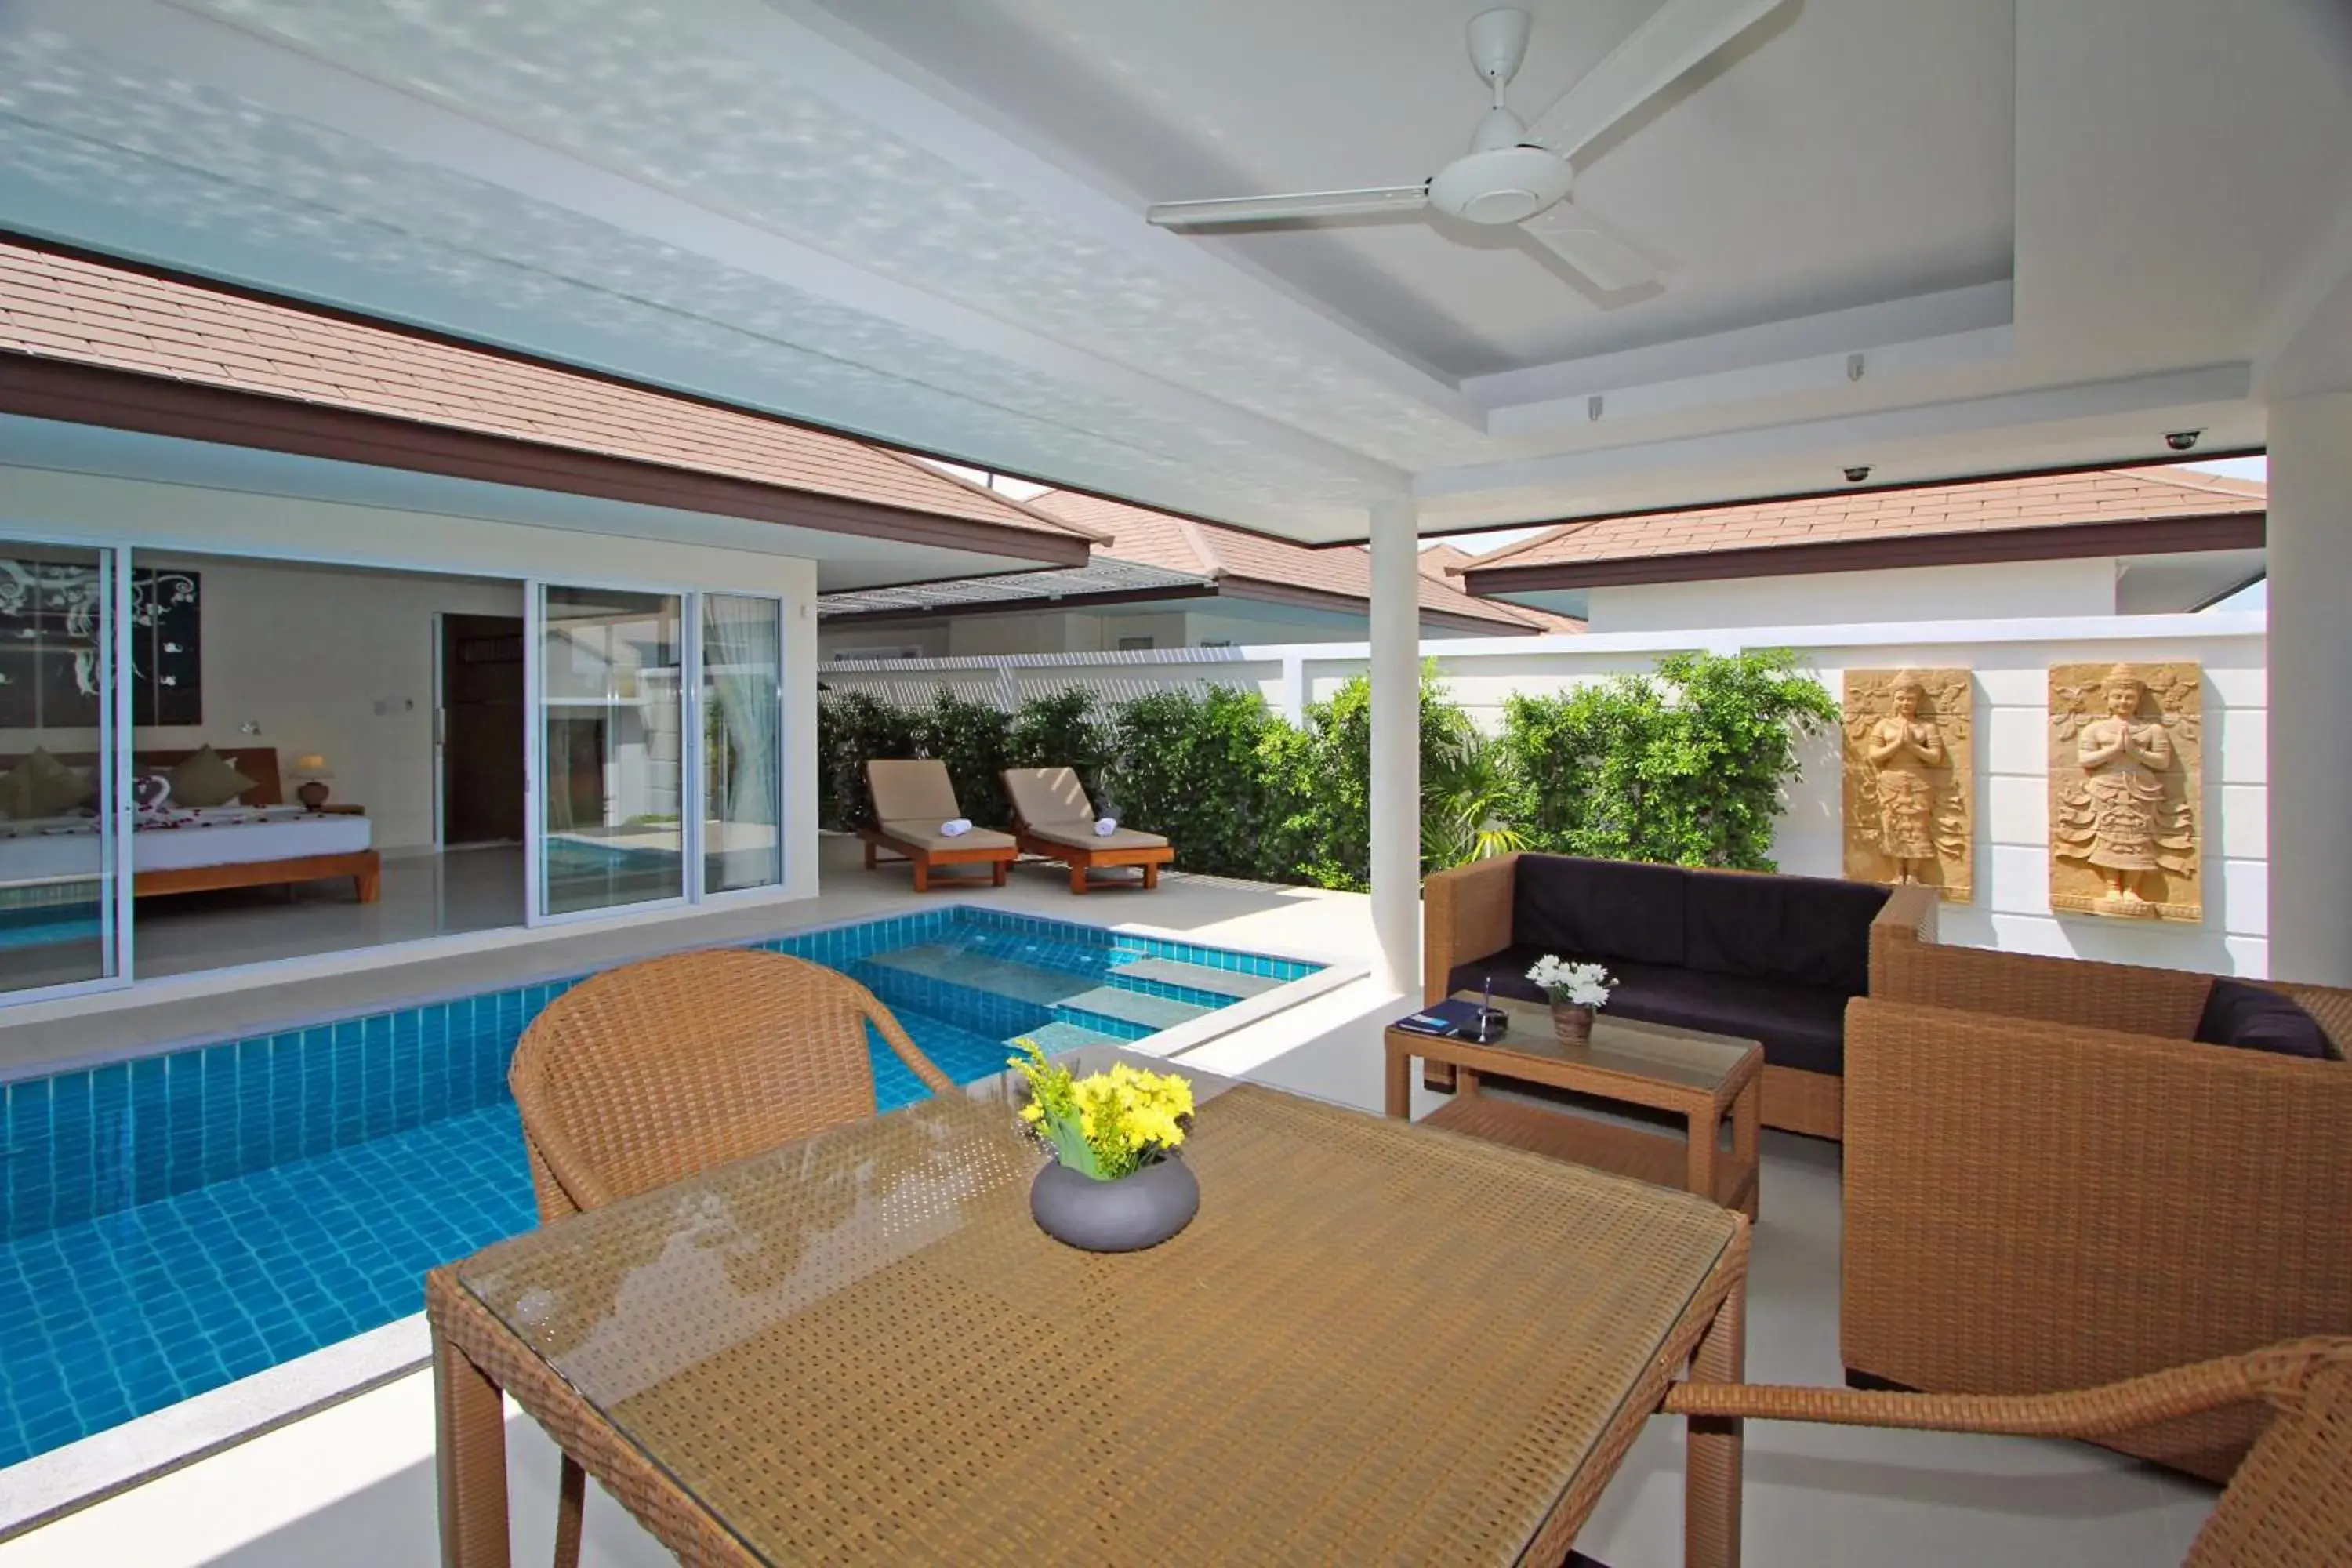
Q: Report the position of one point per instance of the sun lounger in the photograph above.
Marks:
(912, 800)
(1052, 817)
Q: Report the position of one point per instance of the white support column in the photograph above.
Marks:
(1396, 744)
(2308, 543)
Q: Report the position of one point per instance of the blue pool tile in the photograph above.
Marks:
(168, 1224)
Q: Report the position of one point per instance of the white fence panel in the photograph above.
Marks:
(2009, 661)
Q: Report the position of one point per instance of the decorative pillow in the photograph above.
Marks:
(207, 778)
(2257, 1018)
(41, 785)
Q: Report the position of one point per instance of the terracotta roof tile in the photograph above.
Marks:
(2106, 495)
(69, 307)
(1155, 538)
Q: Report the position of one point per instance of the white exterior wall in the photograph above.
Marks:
(2010, 659)
(176, 518)
(838, 642)
(1080, 631)
(1839, 598)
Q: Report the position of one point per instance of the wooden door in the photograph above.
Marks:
(481, 729)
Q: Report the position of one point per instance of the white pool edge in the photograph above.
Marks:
(49, 1485)
(1193, 1033)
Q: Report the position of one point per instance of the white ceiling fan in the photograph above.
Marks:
(1516, 173)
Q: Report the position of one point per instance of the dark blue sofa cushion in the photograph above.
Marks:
(2257, 1018)
(1579, 909)
(1800, 1026)
(1802, 931)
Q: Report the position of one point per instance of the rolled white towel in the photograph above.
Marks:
(955, 827)
(1106, 825)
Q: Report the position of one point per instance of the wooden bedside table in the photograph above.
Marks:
(1700, 1076)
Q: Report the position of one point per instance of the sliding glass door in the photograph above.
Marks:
(610, 769)
(62, 808)
(742, 742)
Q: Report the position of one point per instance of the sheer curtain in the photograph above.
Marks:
(742, 740)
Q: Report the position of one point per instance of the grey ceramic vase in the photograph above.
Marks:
(1126, 1215)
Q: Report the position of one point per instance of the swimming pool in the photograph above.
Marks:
(170, 1224)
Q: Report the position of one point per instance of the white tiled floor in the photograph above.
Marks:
(423, 895)
(353, 1485)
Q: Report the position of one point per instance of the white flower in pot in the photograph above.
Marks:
(1576, 991)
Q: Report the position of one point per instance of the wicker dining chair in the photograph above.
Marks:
(2288, 1506)
(648, 1073)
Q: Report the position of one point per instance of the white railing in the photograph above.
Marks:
(2010, 659)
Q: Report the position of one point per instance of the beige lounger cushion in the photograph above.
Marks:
(1049, 796)
(926, 834)
(911, 789)
(1085, 838)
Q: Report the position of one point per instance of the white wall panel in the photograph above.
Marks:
(2008, 661)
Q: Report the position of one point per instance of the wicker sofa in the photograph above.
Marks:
(1772, 958)
(2049, 1184)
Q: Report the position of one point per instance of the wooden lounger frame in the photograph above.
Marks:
(1082, 861)
(995, 857)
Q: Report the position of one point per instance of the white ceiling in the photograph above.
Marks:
(1848, 152)
(2053, 232)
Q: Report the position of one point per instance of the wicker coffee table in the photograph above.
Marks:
(860, 1349)
(1700, 1076)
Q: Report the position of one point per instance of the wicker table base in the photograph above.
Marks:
(1654, 1157)
(1700, 1076)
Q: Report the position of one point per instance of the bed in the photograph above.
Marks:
(257, 841)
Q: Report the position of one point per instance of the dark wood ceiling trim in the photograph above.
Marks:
(2139, 536)
(43, 388)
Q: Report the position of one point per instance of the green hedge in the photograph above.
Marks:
(1686, 766)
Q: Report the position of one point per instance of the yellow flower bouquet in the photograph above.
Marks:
(1114, 1183)
(1107, 1124)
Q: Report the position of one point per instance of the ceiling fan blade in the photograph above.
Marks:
(1573, 235)
(1276, 209)
(1679, 34)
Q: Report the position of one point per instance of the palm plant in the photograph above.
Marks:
(1467, 794)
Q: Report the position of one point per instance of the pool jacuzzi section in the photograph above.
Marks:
(172, 1222)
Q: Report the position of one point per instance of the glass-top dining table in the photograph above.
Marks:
(1376, 1342)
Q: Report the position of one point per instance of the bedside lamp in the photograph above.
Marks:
(313, 770)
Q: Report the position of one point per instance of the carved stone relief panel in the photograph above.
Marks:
(2127, 789)
(1910, 797)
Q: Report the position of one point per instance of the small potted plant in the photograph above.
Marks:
(1115, 1183)
(1577, 992)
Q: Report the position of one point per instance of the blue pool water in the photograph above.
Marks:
(170, 1224)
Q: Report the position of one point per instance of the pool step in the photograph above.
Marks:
(1135, 1009)
(950, 964)
(1224, 984)
(1062, 1036)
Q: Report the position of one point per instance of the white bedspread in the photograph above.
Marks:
(67, 847)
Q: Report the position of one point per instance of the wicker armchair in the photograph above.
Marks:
(2289, 1505)
(2048, 1184)
(653, 1071)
